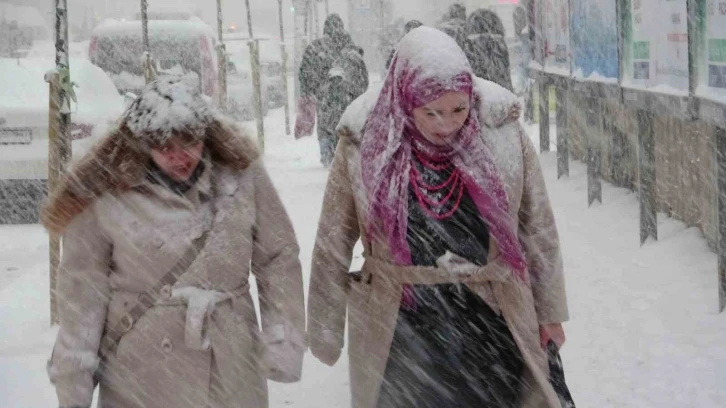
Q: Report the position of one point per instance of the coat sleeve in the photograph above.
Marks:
(276, 265)
(540, 241)
(82, 297)
(337, 235)
(310, 67)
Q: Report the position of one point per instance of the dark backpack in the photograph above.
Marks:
(347, 79)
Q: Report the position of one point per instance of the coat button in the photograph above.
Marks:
(158, 242)
(166, 345)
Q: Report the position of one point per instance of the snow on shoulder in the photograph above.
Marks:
(499, 106)
(356, 114)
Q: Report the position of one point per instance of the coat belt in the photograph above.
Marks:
(450, 269)
(200, 304)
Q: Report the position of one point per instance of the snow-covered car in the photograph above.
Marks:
(179, 47)
(240, 95)
(24, 101)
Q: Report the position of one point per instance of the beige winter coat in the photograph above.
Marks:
(373, 303)
(203, 347)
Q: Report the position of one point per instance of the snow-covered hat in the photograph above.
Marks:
(169, 107)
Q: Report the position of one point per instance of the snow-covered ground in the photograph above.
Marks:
(644, 331)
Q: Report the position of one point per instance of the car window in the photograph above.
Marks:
(117, 54)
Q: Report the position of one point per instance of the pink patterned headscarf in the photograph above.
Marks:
(427, 65)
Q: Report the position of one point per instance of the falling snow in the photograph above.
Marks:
(622, 105)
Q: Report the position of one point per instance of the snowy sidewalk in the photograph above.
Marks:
(644, 329)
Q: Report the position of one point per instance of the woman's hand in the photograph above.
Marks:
(551, 332)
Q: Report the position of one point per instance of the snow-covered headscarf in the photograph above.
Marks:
(428, 64)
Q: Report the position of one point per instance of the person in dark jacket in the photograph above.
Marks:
(406, 29)
(457, 13)
(315, 76)
(455, 20)
(455, 25)
(491, 56)
(347, 80)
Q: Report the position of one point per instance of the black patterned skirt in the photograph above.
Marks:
(453, 350)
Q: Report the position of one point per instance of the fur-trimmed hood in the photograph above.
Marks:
(498, 107)
(119, 162)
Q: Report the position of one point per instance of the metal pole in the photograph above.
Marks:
(647, 176)
(53, 176)
(249, 19)
(145, 24)
(721, 184)
(256, 82)
(327, 8)
(594, 150)
(544, 113)
(284, 70)
(300, 29)
(148, 62)
(59, 145)
(563, 152)
(311, 21)
(221, 58)
(316, 18)
(307, 18)
(220, 30)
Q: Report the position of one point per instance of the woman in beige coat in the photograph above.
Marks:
(462, 288)
(174, 176)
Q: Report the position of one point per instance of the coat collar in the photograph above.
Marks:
(200, 192)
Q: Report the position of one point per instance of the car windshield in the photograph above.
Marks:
(122, 53)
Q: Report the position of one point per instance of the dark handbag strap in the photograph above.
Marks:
(146, 300)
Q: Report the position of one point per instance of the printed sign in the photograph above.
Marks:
(595, 38)
(714, 75)
(658, 43)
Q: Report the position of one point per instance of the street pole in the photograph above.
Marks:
(311, 20)
(284, 69)
(59, 123)
(148, 62)
(316, 18)
(256, 82)
(222, 59)
(307, 17)
(300, 29)
(327, 9)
